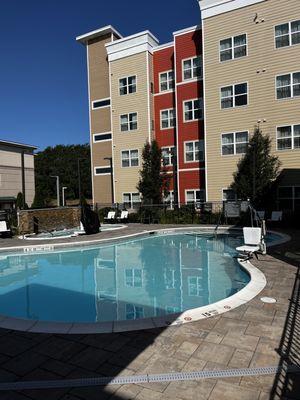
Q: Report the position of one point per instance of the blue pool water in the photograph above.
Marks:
(151, 276)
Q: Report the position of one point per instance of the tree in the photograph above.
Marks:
(257, 171)
(38, 201)
(62, 161)
(154, 181)
(20, 202)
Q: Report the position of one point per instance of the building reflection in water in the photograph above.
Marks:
(149, 277)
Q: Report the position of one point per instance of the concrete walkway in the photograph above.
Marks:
(255, 334)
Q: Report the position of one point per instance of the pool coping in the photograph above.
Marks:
(251, 290)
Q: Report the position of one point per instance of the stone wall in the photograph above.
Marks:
(48, 219)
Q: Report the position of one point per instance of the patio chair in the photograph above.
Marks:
(259, 216)
(123, 217)
(276, 216)
(4, 231)
(252, 243)
(111, 216)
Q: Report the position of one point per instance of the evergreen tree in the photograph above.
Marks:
(38, 201)
(257, 171)
(154, 181)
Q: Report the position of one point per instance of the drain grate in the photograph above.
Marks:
(123, 380)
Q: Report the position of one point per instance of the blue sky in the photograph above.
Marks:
(43, 85)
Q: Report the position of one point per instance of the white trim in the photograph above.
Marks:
(189, 81)
(164, 92)
(102, 134)
(98, 32)
(148, 98)
(163, 46)
(289, 34)
(112, 135)
(99, 108)
(131, 202)
(195, 197)
(177, 135)
(134, 36)
(192, 169)
(137, 122)
(187, 30)
(234, 143)
(211, 8)
(291, 86)
(102, 166)
(204, 114)
(169, 148)
(90, 120)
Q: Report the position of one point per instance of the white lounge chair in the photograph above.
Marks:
(252, 243)
(4, 229)
(110, 216)
(276, 216)
(123, 216)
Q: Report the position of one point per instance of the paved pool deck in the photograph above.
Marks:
(253, 335)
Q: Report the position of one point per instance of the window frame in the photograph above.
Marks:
(171, 200)
(102, 134)
(289, 35)
(234, 143)
(293, 198)
(103, 167)
(131, 199)
(233, 47)
(195, 197)
(193, 78)
(133, 270)
(291, 86)
(101, 107)
(168, 119)
(128, 123)
(293, 148)
(127, 85)
(194, 151)
(234, 95)
(168, 81)
(193, 110)
(135, 313)
(170, 155)
(130, 158)
(227, 189)
(198, 278)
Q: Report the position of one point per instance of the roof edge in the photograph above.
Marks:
(83, 39)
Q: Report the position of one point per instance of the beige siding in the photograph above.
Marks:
(126, 179)
(100, 119)
(259, 69)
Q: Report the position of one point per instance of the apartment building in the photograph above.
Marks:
(16, 173)
(252, 77)
(139, 91)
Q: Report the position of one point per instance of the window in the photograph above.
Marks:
(228, 195)
(167, 119)
(131, 200)
(194, 151)
(169, 200)
(195, 285)
(192, 68)
(169, 278)
(127, 85)
(194, 196)
(101, 137)
(289, 198)
(102, 170)
(134, 312)
(130, 158)
(167, 155)
(234, 96)
(100, 103)
(288, 86)
(166, 80)
(287, 34)
(128, 122)
(193, 110)
(288, 137)
(234, 47)
(134, 277)
(234, 143)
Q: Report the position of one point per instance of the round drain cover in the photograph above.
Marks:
(269, 300)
